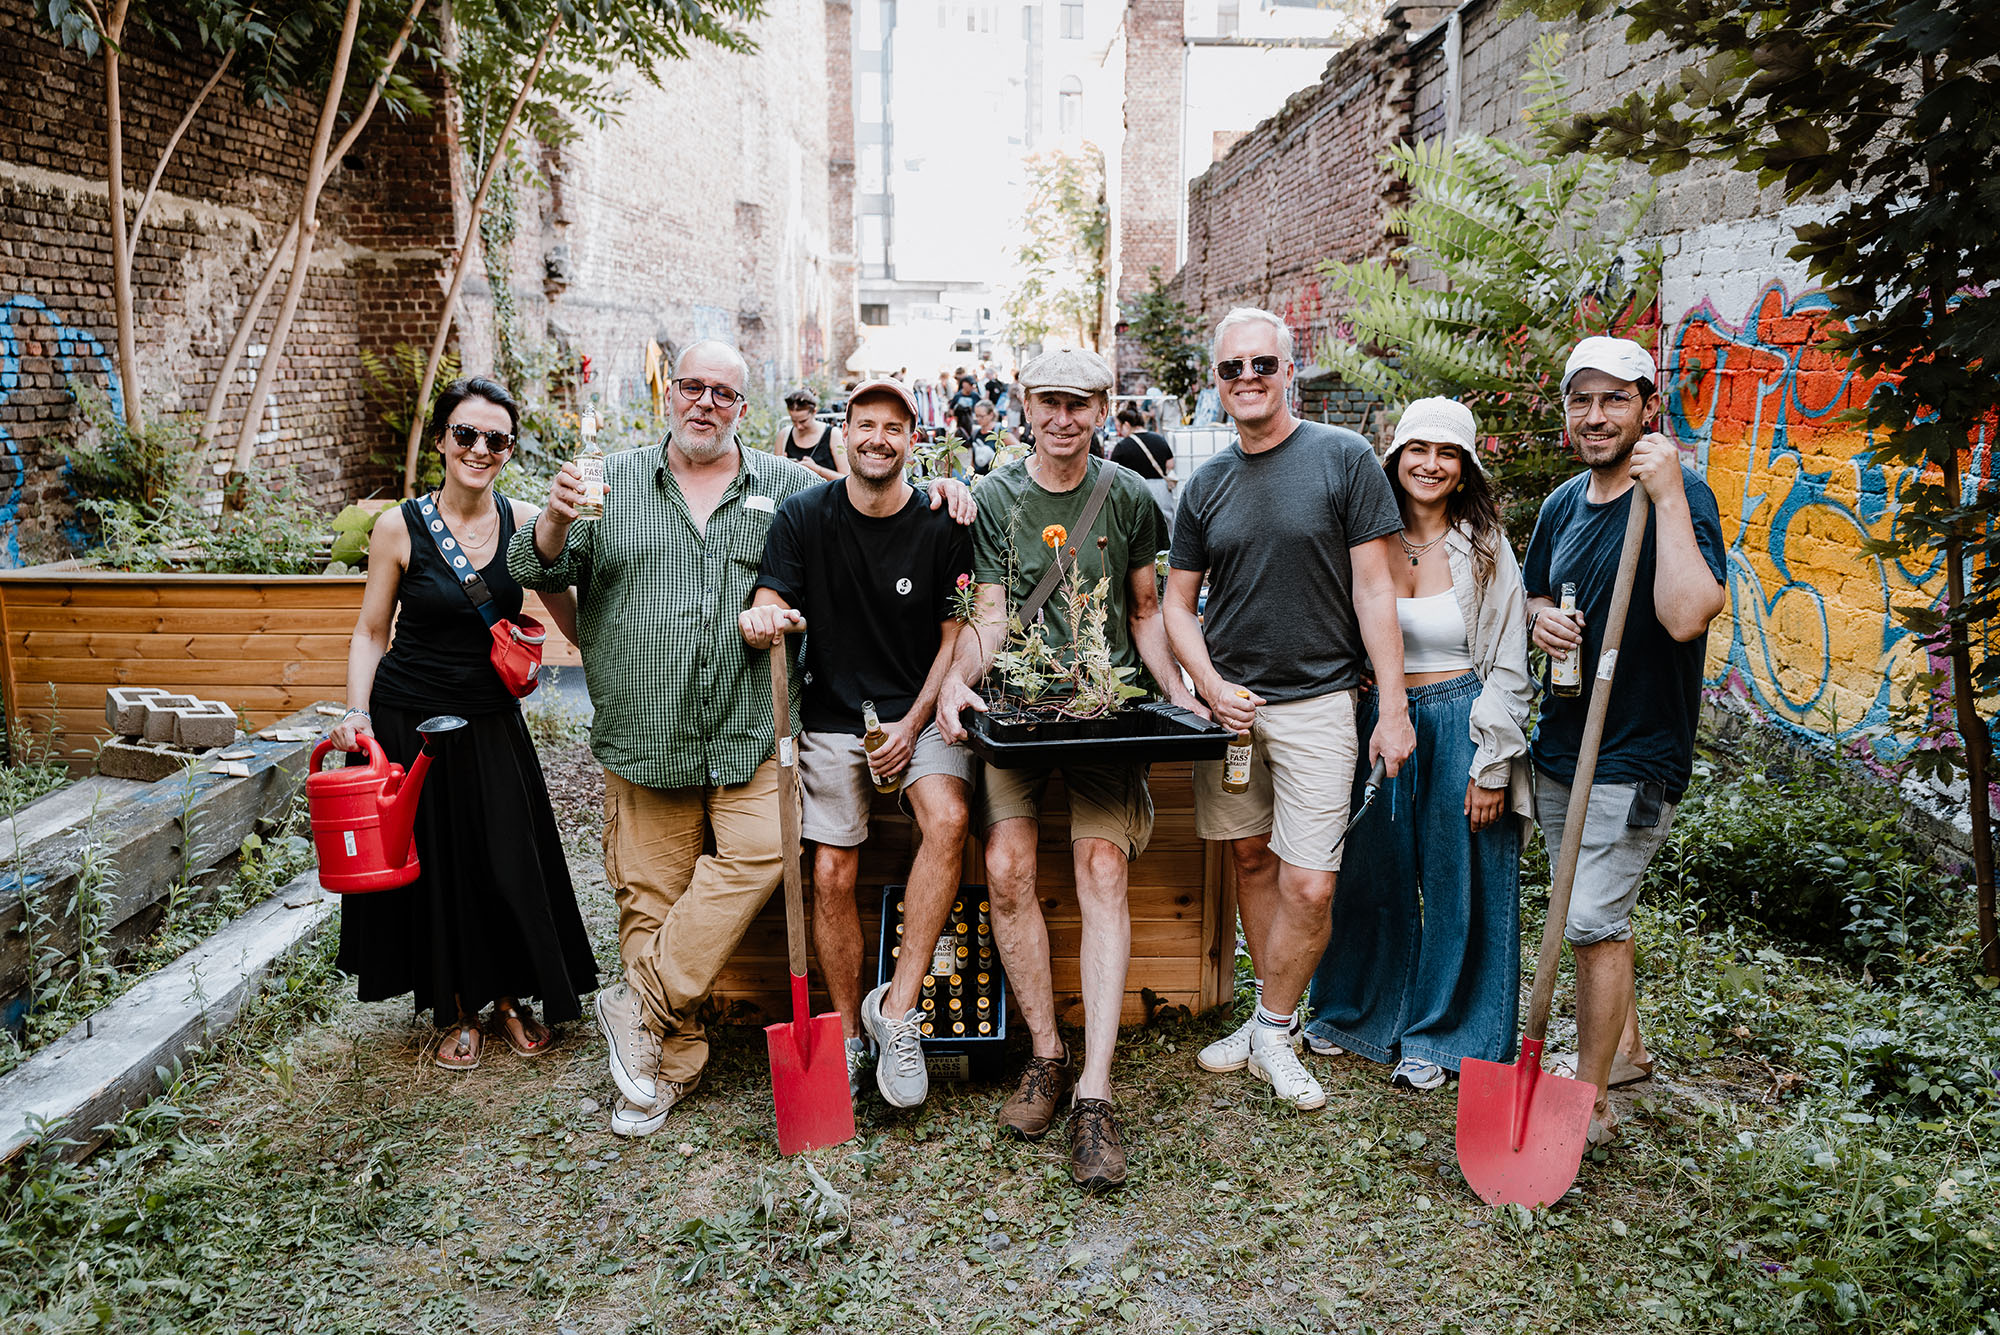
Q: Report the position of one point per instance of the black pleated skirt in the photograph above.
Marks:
(493, 913)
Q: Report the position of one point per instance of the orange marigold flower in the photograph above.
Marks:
(1055, 535)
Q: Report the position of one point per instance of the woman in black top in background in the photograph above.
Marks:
(808, 440)
(492, 917)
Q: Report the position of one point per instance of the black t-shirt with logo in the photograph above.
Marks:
(874, 593)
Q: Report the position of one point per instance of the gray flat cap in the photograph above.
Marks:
(1071, 371)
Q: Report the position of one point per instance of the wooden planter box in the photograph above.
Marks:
(1183, 910)
(267, 645)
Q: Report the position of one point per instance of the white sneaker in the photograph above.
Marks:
(1233, 1053)
(632, 1119)
(899, 1071)
(1416, 1073)
(633, 1049)
(1274, 1059)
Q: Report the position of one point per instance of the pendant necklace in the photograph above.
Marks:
(1415, 552)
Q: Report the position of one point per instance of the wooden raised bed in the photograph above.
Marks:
(1183, 909)
(266, 645)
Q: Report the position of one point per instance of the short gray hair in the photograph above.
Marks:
(716, 345)
(1253, 315)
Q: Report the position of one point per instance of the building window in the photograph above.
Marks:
(1069, 105)
(874, 312)
(1072, 18)
(1228, 18)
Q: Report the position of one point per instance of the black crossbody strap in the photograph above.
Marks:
(455, 558)
(1032, 608)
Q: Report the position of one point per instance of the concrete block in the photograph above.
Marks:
(144, 761)
(205, 724)
(124, 708)
(159, 712)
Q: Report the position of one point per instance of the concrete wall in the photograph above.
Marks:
(1810, 639)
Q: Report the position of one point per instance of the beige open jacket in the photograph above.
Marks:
(1497, 628)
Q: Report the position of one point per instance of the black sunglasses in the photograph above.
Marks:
(1233, 368)
(465, 437)
(723, 395)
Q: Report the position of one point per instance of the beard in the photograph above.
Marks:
(707, 452)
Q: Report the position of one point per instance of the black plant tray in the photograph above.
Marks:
(1138, 734)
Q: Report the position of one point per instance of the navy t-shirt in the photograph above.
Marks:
(1656, 690)
(875, 594)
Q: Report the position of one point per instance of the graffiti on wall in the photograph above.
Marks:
(31, 332)
(1810, 637)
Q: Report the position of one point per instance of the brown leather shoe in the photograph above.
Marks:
(1096, 1155)
(1030, 1110)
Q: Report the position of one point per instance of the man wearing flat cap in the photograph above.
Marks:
(1063, 504)
(1610, 389)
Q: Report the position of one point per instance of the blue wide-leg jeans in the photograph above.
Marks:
(1425, 953)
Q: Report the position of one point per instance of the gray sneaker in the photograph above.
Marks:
(629, 1119)
(635, 1049)
(899, 1070)
(857, 1062)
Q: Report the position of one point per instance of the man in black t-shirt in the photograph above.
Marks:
(1610, 390)
(875, 573)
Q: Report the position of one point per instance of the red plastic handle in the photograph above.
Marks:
(377, 758)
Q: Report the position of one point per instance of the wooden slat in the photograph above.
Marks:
(154, 621)
(306, 591)
(175, 675)
(39, 645)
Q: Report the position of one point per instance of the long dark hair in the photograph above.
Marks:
(1471, 503)
(472, 387)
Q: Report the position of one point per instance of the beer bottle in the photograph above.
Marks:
(943, 958)
(872, 741)
(590, 465)
(986, 1029)
(1566, 673)
(1236, 761)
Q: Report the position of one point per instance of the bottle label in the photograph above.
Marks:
(590, 468)
(1236, 765)
(943, 958)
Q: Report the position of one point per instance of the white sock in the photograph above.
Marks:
(1258, 1000)
(1272, 1021)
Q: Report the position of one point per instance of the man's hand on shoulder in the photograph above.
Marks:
(956, 497)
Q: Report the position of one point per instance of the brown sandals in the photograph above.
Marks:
(458, 1047)
(534, 1038)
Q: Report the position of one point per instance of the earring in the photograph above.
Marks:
(1459, 487)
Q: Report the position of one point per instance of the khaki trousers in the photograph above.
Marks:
(682, 912)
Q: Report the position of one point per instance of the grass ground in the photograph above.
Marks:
(316, 1173)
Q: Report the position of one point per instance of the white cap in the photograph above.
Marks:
(1438, 422)
(1619, 357)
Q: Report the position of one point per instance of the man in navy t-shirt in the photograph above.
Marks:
(1610, 388)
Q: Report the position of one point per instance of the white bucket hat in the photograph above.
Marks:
(1619, 357)
(1440, 422)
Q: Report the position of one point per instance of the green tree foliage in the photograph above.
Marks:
(1064, 228)
(1890, 109)
(1169, 339)
(1521, 254)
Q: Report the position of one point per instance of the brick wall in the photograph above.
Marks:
(702, 211)
(1147, 211)
(225, 200)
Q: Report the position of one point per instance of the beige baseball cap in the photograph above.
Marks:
(1439, 421)
(1071, 371)
(1619, 357)
(896, 389)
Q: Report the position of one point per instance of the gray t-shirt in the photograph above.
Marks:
(1273, 531)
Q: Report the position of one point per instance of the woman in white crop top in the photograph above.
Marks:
(1423, 965)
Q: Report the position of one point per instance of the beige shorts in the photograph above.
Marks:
(833, 775)
(1108, 802)
(1301, 781)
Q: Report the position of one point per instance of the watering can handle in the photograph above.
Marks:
(377, 758)
(1586, 767)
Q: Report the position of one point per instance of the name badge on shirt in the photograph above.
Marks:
(763, 503)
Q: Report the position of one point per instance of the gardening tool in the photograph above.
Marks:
(1521, 1130)
(363, 815)
(815, 1106)
(1368, 791)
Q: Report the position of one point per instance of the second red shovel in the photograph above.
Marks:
(809, 1089)
(1521, 1130)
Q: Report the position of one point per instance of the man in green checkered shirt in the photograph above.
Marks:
(683, 721)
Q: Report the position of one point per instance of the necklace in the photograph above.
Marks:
(1415, 551)
(467, 537)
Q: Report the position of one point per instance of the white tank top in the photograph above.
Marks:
(1434, 637)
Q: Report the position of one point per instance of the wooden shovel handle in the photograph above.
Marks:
(788, 806)
(1586, 766)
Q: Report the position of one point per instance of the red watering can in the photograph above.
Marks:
(362, 815)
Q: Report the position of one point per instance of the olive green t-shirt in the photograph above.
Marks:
(1014, 511)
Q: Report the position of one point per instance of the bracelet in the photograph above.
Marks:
(352, 712)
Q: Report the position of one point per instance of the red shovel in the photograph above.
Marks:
(809, 1088)
(1521, 1130)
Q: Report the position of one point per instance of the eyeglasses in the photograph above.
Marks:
(1615, 401)
(723, 395)
(1232, 369)
(465, 437)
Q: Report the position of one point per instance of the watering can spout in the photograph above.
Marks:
(398, 799)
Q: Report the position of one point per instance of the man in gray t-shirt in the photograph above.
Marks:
(1292, 528)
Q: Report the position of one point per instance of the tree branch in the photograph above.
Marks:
(167, 153)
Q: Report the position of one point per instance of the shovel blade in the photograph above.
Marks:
(1521, 1130)
(809, 1087)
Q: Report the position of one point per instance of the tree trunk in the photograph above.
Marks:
(415, 443)
(121, 257)
(1972, 728)
(167, 153)
(246, 326)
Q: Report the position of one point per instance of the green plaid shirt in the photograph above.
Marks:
(681, 701)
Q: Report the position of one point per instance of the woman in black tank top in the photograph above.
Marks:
(823, 455)
(492, 917)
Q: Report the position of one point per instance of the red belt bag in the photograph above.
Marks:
(516, 652)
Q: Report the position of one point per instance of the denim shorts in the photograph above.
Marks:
(1613, 858)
